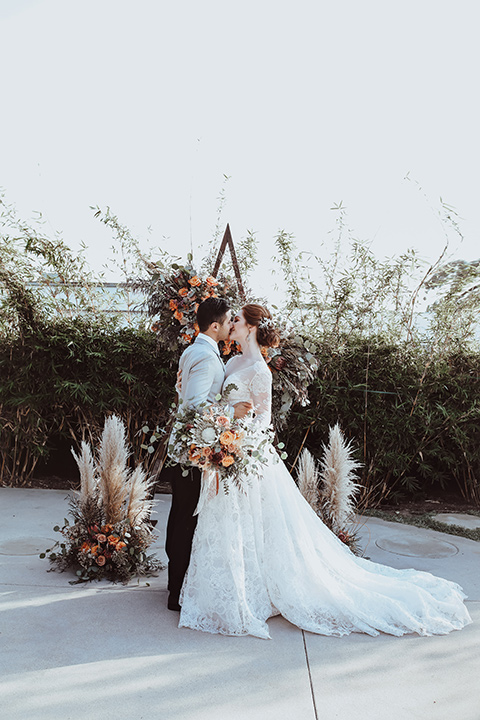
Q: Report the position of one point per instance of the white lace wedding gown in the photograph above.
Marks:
(264, 551)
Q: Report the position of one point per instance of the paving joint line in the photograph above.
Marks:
(309, 675)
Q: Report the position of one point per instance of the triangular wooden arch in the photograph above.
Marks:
(227, 240)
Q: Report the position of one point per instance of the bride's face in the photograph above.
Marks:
(240, 328)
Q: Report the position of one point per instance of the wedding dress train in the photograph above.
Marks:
(264, 551)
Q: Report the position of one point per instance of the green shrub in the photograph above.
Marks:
(64, 376)
(415, 420)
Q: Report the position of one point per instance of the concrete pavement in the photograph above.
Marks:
(114, 652)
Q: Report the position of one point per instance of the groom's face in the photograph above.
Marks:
(224, 328)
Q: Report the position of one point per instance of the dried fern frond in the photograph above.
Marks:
(86, 467)
(139, 504)
(339, 486)
(308, 477)
(112, 466)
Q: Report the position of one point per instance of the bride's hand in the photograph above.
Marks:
(241, 409)
(178, 384)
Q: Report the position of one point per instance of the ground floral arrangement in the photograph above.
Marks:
(110, 533)
(331, 488)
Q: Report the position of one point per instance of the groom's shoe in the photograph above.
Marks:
(172, 604)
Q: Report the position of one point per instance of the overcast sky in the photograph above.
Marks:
(144, 105)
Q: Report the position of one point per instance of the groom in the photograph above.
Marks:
(202, 378)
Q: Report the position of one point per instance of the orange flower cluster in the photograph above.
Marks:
(230, 442)
(103, 544)
(227, 347)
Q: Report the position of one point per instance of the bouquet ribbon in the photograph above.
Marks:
(209, 487)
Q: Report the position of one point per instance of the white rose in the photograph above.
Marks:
(208, 435)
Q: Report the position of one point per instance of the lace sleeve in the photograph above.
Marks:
(260, 387)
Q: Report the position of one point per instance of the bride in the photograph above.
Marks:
(263, 551)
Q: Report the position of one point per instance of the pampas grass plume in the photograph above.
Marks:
(308, 478)
(86, 467)
(139, 504)
(112, 465)
(337, 473)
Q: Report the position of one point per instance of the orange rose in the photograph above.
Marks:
(193, 454)
(195, 281)
(227, 347)
(183, 291)
(178, 315)
(94, 549)
(113, 539)
(207, 451)
(121, 545)
(227, 461)
(85, 547)
(101, 560)
(227, 437)
(186, 337)
(223, 420)
(173, 305)
(211, 282)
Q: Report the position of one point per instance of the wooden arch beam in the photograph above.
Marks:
(227, 240)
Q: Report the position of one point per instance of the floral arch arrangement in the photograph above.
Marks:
(173, 297)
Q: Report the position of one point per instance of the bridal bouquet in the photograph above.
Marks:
(207, 438)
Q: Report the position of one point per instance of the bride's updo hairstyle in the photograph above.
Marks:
(260, 317)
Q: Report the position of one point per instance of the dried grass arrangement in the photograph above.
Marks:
(109, 536)
(331, 490)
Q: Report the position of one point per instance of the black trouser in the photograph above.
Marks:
(181, 525)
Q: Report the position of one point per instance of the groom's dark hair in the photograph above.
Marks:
(211, 310)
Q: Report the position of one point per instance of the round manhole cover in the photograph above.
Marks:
(415, 547)
(26, 546)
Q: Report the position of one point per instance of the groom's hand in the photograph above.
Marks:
(241, 409)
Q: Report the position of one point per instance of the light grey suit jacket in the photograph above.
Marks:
(203, 373)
